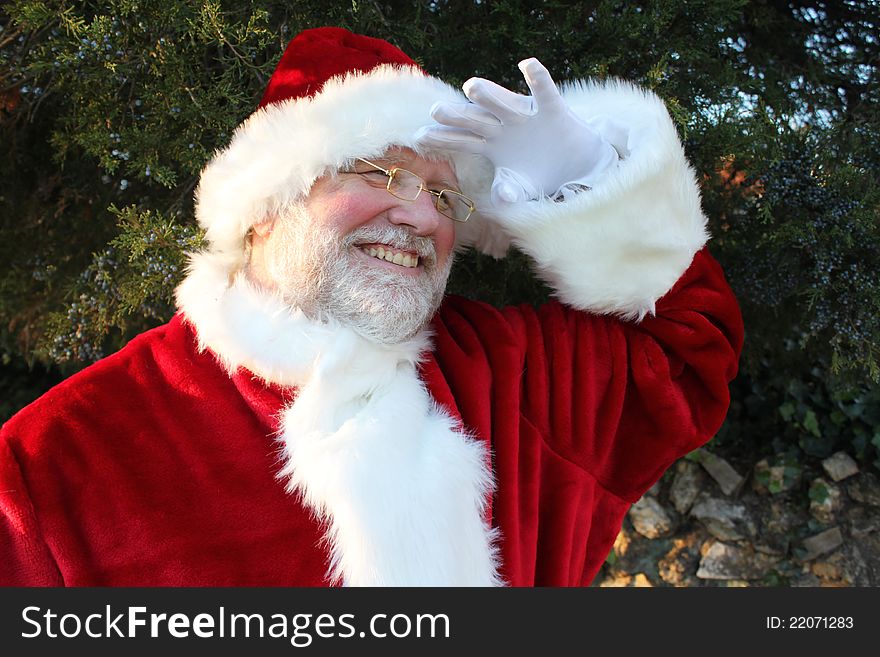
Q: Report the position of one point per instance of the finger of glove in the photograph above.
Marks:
(505, 192)
(544, 91)
(446, 138)
(512, 187)
(466, 116)
(509, 107)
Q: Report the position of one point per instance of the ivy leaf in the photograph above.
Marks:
(811, 423)
(787, 411)
(838, 417)
(818, 447)
(818, 492)
(854, 411)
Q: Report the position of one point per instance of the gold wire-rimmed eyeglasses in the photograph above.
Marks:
(406, 185)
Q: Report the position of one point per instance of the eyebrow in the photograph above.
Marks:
(448, 185)
(390, 164)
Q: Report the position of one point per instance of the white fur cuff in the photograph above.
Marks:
(620, 246)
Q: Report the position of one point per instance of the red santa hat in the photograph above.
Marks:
(334, 96)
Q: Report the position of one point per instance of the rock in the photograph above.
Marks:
(777, 521)
(729, 562)
(649, 518)
(840, 465)
(821, 543)
(758, 530)
(869, 547)
(725, 520)
(623, 580)
(825, 571)
(767, 548)
(656, 489)
(689, 480)
(720, 470)
(616, 580)
(864, 534)
(633, 553)
(824, 501)
(621, 543)
(865, 489)
(807, 579)
(863, 521)
(678, 567)
(845, 567)
(641, 581)
(774, 478)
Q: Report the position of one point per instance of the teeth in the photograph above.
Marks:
(401, 259)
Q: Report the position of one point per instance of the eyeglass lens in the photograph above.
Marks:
(407, 186)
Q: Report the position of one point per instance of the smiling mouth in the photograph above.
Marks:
(387, 253)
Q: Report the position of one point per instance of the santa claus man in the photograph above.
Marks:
(318, 413)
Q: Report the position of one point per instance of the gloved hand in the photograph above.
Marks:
(538, 146)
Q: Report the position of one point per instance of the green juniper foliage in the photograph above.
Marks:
(135, 275)
(108, 110)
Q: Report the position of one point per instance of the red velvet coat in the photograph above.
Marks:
(155, 467)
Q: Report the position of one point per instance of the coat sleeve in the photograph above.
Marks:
(631, 369)
(25, 559)
(584, 412)
(625, 399)
(594, 395)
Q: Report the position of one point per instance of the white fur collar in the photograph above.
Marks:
(401, 489)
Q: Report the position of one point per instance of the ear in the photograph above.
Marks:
(264, 228)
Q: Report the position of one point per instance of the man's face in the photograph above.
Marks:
(333, 255)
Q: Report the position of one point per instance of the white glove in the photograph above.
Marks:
(536, 143)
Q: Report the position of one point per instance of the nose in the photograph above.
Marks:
(420, 216)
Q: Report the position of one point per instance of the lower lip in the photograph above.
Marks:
(400, 269)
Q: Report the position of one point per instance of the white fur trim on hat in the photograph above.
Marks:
(276, 155)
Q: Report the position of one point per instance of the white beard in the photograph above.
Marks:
(317, 270)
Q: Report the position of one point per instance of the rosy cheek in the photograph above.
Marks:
(349, 211)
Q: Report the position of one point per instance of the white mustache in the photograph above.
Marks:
(394, 236)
